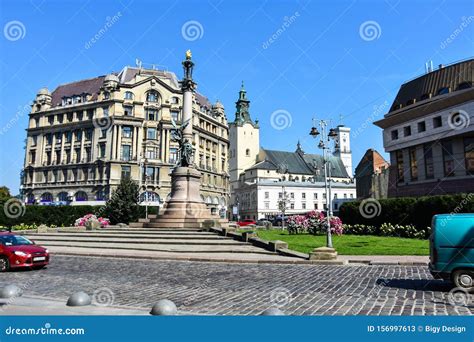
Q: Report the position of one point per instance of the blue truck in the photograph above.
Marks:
(452, 249)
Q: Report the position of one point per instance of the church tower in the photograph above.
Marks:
(343, 147)
(244, 136)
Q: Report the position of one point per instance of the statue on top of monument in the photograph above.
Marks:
(185, 151)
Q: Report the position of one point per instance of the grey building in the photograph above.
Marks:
(429, 133)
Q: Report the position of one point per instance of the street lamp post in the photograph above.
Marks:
(324, 145)
(144, 175)
(284, 198)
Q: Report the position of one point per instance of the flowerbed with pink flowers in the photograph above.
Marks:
(83, 221)
(314, 222)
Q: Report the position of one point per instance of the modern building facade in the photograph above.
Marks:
(260, 177)
(371, 176)
(429, 133)
(85, 136)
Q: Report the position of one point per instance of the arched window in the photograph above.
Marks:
(128, 95)
(46, 197)
(62, 196)
(101, 195)
(425, 96)
(444, 90)
(152, 96)
(149, 196)
(30, 199)
(464, 85)
(81, 196)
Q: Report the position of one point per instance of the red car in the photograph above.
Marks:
(17, 251)
(246, 222)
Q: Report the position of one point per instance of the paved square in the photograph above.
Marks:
(245, 289)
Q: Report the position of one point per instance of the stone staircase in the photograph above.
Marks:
(154, 221)
(174, 243)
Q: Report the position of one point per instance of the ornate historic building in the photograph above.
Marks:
(85, 136)
(429, 133)
(260, 177)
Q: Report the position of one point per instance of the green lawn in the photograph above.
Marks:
(350, 244)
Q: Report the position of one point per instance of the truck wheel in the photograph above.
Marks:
(464, 279)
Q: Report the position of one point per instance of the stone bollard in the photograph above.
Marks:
(79, 299)
(164, 307)
(247, 235)
(42, 228)
(92, 224)
(272, 312)
(277, 244)
(10, 291)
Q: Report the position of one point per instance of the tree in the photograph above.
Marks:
(4, 194)
(122, 207)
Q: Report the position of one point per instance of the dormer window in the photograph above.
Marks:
(106, 95)
(152, 96)
(464, 85)
(443, 91)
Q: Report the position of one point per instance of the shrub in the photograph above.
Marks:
(416, 211)
(82, 221)
(388, 229)
(297, 224)
(123, 207)
(314, 223)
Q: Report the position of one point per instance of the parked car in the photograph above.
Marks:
(452, 249)
(17, 251)
(246, 222)
(277, 221)
(263, 222)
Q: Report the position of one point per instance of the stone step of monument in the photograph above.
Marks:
(45, 240)
(159, 236)
(137, 254)
(160, 247)
(173, 224)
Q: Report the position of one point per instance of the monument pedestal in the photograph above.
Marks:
(185, 208)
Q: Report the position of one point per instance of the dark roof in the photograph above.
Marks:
(300, 163)
(89, 86)
(202, 100)
(451, 76)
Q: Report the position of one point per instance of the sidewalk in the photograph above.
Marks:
(406, 260)
(31, 305)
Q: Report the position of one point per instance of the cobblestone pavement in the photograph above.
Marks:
(245, 289)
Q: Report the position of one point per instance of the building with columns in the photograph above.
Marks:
(429, 133)
(83, 137)
(260, 177)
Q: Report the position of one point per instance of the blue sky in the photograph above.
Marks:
(299, 59)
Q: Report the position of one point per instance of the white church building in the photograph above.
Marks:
(260, 178)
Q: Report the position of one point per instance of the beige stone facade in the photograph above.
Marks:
(85, 136)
